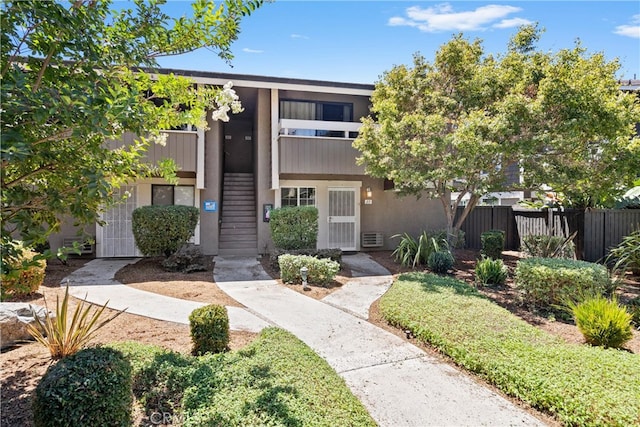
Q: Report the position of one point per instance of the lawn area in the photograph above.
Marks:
(276, 380)
(577, 384)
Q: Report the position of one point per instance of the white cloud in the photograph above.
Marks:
(299, 36)
(630, 30)
(442, 17)
(513, 22)
(247, 50)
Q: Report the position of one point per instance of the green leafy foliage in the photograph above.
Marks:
(320, 271)
(455, 124)
(412, 253)
(549, 283)
(275, 380)
(332, 254)
(440, 261)
(603, 322)
(65, 334)
(162, 230)
(294, 227)
(545, 246)
(491, 271)
(25, 274)
(626, 255)
(90, 388)
(209, 329)
(65, 99)
(633, 307)
(577, 384)
(492, 243)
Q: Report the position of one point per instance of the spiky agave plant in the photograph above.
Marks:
(64, 336)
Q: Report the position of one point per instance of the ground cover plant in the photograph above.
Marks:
(577, 384)
(275, 380)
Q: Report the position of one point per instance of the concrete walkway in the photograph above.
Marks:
(95, 283)
(399, 384)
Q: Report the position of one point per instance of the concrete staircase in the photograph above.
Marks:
(238, 229)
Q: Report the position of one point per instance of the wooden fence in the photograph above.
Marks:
(597, 229)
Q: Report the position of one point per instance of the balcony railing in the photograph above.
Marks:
(318, 128)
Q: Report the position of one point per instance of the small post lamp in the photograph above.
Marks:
(303, 272)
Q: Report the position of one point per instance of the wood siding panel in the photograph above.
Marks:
(318, 156)
(182, 147)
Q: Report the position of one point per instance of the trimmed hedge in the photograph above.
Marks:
(209, 329)
(162, 230)
(294, 227)
(492, 243)
(551, 282)
(321, 271)
(90, 388)
(332, 254)
(23, 280)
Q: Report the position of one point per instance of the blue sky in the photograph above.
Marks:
(356, 41)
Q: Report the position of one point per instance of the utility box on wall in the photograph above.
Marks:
(372, 240)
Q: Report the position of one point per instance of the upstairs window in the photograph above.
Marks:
(317, 110)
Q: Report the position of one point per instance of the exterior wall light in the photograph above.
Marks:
(369, 192)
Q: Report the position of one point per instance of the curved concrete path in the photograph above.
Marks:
(399, 384)
(95, 283)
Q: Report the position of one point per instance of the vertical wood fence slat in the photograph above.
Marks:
(601, 229)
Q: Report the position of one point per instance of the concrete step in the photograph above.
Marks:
(238, 245)
(238, 231)
(232, 225)
(241, 251)
(232, 219)
(239, 238)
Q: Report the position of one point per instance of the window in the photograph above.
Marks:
(317, 110)
(297, 196)
(166, 195)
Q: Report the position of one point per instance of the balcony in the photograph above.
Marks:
(318, 147)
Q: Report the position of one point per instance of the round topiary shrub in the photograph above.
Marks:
(209, 329)
(491, 271)
(440, 261)
(23, 280)
(603, 322)
(90, 388)
(162, 230)
(492, 243)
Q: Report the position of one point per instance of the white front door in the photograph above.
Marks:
(342, 219)
(115, 238)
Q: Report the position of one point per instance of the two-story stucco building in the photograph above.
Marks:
(292, 145)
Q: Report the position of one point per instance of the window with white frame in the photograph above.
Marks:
(297, 196)
(165, 195)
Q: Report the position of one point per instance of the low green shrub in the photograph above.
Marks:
(545, 246)
(549, 283)
(332, 254)
(633, 306)
(412, 253)
(492, 243)
(320, 271)
(162, 230)
(26, 274)
(579, 385)
(209, 329)
(602, 322)
(456, 239)
(294, 227)
(90, 388)
(626, 256)
(440, 261)
(491, 272)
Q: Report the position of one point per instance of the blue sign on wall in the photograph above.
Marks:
(210, 206)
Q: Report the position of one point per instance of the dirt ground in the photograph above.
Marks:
(23, 365)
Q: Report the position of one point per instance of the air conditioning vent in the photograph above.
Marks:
(372, 240)
(85, 248)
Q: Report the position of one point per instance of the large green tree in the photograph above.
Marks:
(77, 75)
(456, 124)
